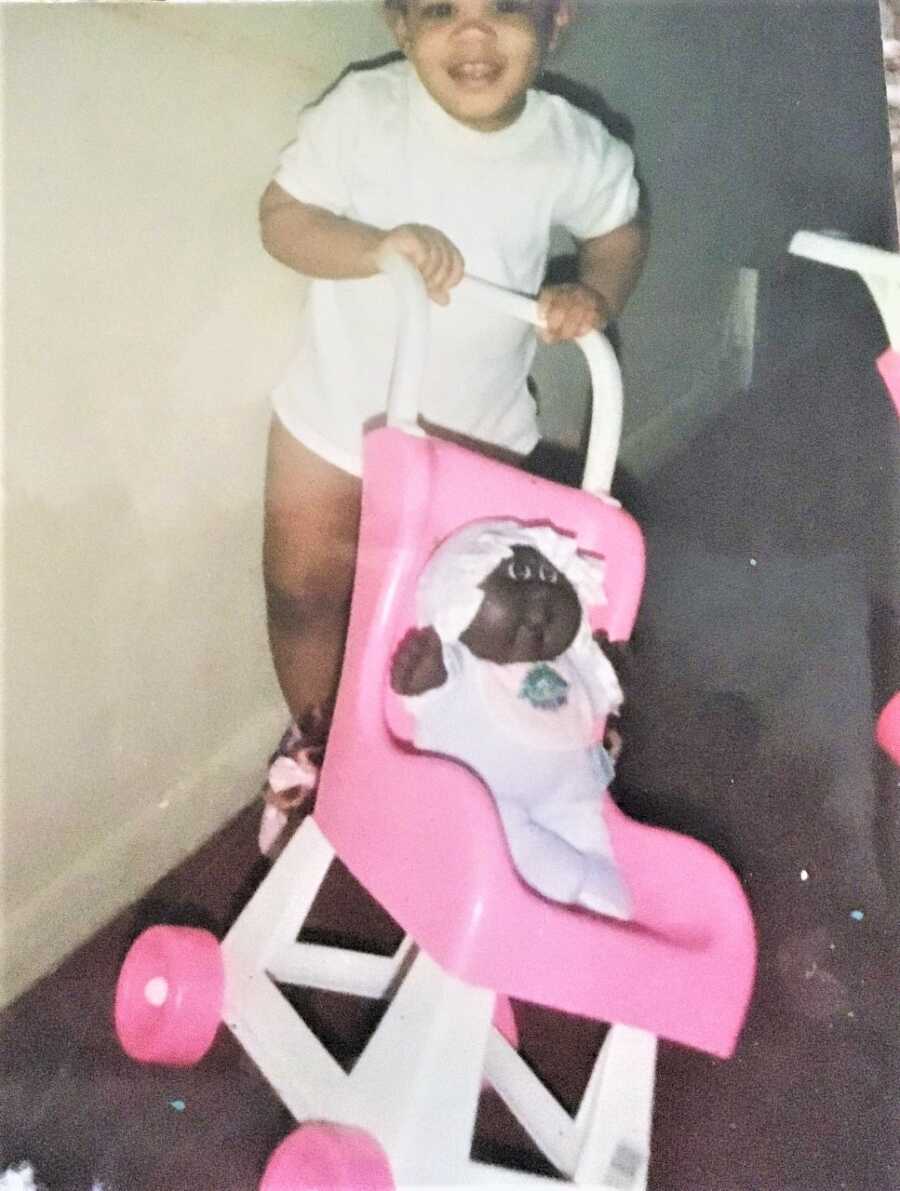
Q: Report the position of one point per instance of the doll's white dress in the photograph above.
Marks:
(529, 730)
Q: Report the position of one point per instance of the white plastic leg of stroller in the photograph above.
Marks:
(416, 1086)
(421, 1074)
(607, 1145)
(303, 1073)
(615, 1117)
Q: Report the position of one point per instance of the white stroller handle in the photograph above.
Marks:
(878, 268)
(412, 344)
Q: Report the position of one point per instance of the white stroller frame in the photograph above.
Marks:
(878, 268)
(434, 1047)
(416, 1085)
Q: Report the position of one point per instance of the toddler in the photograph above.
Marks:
(504, 675)
(451, 158)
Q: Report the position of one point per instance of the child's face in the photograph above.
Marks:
(530, 612)
(477, 58)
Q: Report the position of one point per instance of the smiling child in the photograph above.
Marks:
(454, 159)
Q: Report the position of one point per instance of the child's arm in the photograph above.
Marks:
(608, 270)
(318, 243)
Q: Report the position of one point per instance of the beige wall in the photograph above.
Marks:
(143, 328)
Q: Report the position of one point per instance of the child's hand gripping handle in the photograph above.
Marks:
(409, 364)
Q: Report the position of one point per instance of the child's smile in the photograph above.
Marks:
(475, 74)
(477, 58)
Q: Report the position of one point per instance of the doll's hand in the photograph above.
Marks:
(418, 664)
(438, 259)
(620, 654)
(569, 311)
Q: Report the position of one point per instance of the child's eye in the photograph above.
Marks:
(547, 573)
(514, 7)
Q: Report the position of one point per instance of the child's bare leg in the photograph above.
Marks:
(309, 553)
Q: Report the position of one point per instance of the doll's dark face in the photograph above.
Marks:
(530, 612)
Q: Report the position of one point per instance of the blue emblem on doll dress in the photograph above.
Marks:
(544, 688)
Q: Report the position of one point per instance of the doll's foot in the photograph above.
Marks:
(604, 892)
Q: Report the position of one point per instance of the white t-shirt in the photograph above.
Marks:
(378, 149)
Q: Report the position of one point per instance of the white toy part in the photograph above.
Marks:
(409, 362)
(879, 269)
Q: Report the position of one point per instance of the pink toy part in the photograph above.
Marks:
(324, 1157)
(421, 833)
(505, 1021)
(169, 996)
(887, 730)
(889, 366)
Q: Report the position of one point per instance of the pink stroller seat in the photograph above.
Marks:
(421, 833)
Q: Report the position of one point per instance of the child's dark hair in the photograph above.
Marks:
(400, 5)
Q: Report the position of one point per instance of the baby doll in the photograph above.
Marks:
(504, 675)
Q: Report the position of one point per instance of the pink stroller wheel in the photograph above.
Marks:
(169, 995)
(323, 1157)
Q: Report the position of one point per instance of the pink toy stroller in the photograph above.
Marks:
(420, 834)
(880, 270)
